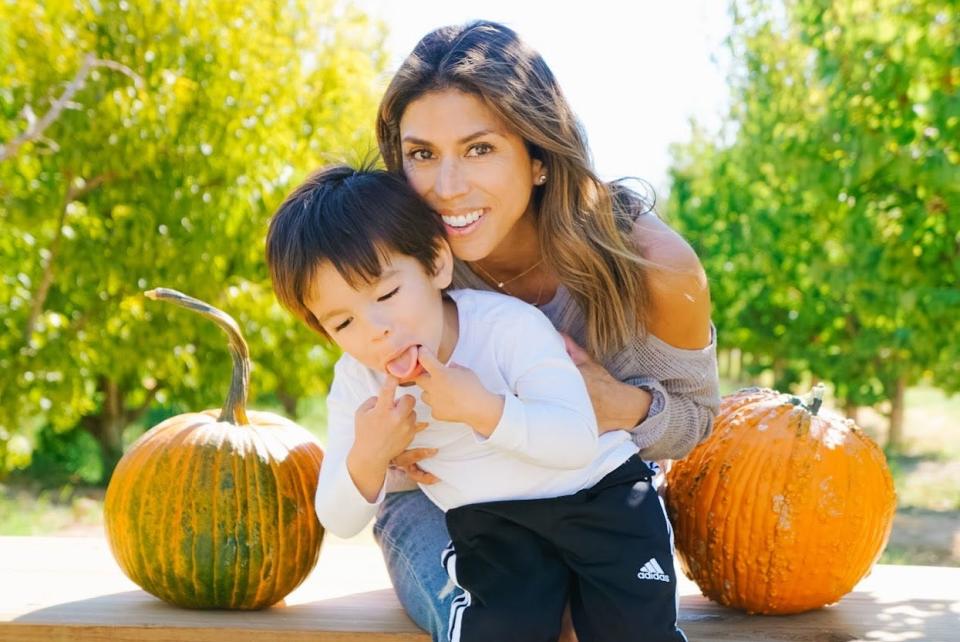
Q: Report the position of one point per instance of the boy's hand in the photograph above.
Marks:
(384, 429)
(454, 393)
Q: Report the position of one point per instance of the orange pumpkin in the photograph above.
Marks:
(781, 510)
(215, 509)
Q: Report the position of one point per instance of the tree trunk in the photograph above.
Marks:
(289, 403)
(851, 410)
(107, 426)
(895, 434)
(779, 370)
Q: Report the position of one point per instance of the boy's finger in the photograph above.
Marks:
(405, 404)
(424, 381)
(429, 360)
(387, 392)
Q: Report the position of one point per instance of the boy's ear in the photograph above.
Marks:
(443, 265)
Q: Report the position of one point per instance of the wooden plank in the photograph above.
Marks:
(71, 589)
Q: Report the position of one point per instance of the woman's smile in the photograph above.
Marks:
(464, 223)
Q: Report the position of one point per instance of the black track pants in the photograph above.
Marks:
(608, 549)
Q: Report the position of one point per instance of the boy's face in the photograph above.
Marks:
(381, 323)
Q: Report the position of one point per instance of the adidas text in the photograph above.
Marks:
(652, 571)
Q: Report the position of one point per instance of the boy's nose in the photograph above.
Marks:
(379, 328)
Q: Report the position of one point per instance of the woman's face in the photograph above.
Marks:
(469, 167)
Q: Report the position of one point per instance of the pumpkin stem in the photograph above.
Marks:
(235, 408)
(816, 399)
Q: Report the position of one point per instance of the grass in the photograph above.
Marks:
(30, 510)
(926, 470)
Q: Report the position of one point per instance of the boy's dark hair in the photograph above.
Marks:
(352, 218)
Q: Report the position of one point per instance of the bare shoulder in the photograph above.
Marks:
(678, 285)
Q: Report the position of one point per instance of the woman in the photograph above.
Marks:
(476, 122)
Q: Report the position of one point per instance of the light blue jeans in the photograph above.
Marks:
(412, 533)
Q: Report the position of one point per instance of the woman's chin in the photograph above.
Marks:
(470, 248)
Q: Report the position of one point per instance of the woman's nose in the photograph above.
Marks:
(450, 181)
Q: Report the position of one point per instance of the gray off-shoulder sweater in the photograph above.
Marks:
(684, 383)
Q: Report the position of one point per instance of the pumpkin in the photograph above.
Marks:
(215, 509)
(782, 509)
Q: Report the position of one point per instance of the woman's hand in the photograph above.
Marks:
(618, 406)
(407, 461)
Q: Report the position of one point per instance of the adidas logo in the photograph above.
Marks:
(652, 571)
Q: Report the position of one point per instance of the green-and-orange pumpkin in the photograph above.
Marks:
(781, 509)
(215, 509)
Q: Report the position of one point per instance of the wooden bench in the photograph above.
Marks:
(71, 590)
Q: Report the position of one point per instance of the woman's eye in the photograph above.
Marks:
(389, 294)
(342, 325)
(419, 154)
(480, 149)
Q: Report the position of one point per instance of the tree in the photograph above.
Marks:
(834, 206)
(163, 176)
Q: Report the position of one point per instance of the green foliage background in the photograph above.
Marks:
(163, 172)
(827, 210)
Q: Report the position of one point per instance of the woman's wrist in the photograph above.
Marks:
(626, 407)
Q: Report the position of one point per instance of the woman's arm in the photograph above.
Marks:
(670, 404)
(678, 286)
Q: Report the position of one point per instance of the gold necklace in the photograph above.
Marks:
(502, 284)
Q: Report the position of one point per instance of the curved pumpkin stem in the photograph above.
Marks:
(235, 408)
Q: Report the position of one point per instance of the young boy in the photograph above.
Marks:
(539, 508)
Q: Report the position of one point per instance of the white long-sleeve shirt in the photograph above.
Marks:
(546, 442)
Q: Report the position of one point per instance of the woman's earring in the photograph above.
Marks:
(542, 179)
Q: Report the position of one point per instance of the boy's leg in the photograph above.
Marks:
(514, 583)
(620, 549)
(411, 532)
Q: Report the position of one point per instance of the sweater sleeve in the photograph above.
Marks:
(686, 396)
(548, 420)
(340, 507)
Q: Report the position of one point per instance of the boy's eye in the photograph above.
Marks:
(480, 149)
(342, 325)
(389, 294)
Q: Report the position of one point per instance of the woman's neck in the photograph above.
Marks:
(516, 266)
(519, 250)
